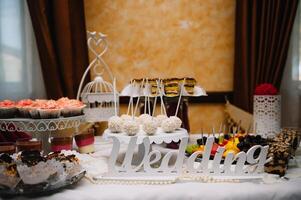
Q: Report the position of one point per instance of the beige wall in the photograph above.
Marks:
(166, 38)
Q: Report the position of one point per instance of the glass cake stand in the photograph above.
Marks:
(41, 128)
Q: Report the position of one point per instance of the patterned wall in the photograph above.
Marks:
(166, 38)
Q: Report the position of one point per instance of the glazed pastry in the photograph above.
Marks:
(177, 121)
(115, 124)
(168, 125)
(131, 127)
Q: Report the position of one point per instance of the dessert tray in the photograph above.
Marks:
(40, 125)
(135, 91)
(158, 138)
(41, 189)
(31, 173)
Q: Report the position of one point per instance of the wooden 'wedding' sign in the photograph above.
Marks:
(153, 163)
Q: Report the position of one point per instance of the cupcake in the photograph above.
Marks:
(49, 110)
(85, 141)
(23, 107)
(7, 109)
(71, 107)
(35, 169)
(70, 164)
(8, 171)
(34, 108)
(61, 143)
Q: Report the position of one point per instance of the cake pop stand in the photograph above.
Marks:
(158, 138)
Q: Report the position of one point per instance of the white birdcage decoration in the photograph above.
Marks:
(100, 97)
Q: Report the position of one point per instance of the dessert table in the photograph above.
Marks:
(96, 163)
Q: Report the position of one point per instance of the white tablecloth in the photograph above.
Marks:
(86, 190)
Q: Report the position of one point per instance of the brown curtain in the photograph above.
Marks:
(263, 29)
(60, 31)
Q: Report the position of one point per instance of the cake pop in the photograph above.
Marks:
(125, 117)
(160, 119)
(115, 124)
(142, 118)
(168, 125)
(150, 126)
(177, 121)
(131, 127)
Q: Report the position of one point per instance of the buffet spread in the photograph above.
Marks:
(29, 167)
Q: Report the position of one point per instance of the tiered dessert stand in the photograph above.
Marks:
(40, 128)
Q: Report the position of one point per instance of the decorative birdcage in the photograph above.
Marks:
(100, 96)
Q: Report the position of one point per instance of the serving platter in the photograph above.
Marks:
(41, 189)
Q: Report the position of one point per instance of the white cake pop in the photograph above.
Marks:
(150, 126)
(126, 117)
(168, 125)
(131, 127)
(115, 124)
(177, 121)
(143, 118)
(160, 119)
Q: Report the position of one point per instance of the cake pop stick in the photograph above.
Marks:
(115, 96)
(145, 97)
(130, 102)
(138, 100)
(148, 104)
(155, 101)
(161, 98)
(213, 131)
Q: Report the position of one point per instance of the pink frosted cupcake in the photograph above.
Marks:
(7, 109)
(71, 107)
(34, 108)
(23, 107)
(49, 110)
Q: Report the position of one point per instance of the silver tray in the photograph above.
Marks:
(40, 189)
